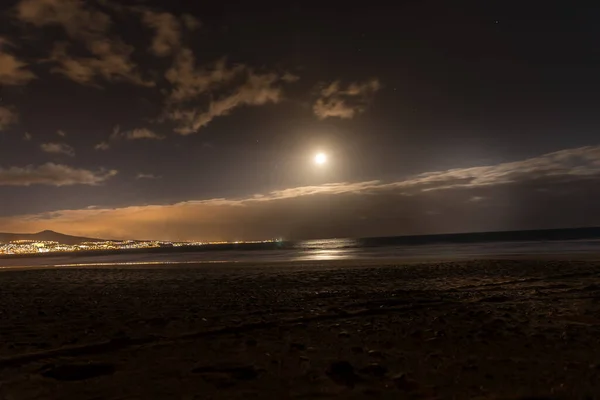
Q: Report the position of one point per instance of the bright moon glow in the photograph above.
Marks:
(321, 158)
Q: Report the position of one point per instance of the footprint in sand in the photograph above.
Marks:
(77, 372)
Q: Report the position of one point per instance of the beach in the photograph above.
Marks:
(491, 329)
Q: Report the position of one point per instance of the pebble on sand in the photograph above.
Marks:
(375, 353)
(403, 382)
(374, 370)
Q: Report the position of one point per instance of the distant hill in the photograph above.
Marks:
(46, 236)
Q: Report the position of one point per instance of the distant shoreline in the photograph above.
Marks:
(547, 235)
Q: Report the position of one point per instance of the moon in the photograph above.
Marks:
(320, 158)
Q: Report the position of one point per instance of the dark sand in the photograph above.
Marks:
(472, 329)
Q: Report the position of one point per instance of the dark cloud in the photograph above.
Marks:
(109, 56)
(168, 28)
(195, 94)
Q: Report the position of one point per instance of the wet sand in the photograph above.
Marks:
(491, 329)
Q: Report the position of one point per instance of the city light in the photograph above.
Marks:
(41, 247)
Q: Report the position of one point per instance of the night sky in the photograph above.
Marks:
(196, 120)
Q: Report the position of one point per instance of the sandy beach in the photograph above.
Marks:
(491, 329)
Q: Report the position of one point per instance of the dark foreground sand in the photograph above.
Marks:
(474, 329)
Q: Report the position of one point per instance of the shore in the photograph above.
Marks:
(490, 329)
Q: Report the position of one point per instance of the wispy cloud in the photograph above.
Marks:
(8, 117)
(345, 103)
(238, 86)
(58, 148)
(577, 163)
(258, 89)
(146, 176)
(196, 94)
(134, 134)
(167, 29)
(191, 23)
(53, 175)
(102, 146)
(288, 77)
(110, 61)
(189, 81)
(12, 70)
(141, 133)
(467, 199)
(61, 133)
(75, 16)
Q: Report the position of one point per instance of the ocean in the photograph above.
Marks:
(564, 242)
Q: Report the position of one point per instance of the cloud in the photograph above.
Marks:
(61, 133)
(110, 57)
(577, 163)
(345, 103)
(12, 70)
(141, 133)
(102, 146)
(58, 148)
(134, 134)
(167, 27)
(189, 82)
(111, 61)
(515, 195)
(146, 176)
(74, 16)
(8, 117)
(27, 136)
(334, 108)
(238, 85)
(259, 89)
(289, 77)
(191, 23)
(52, 175)
(167, 38)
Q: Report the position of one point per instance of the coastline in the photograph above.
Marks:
(99, 261)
